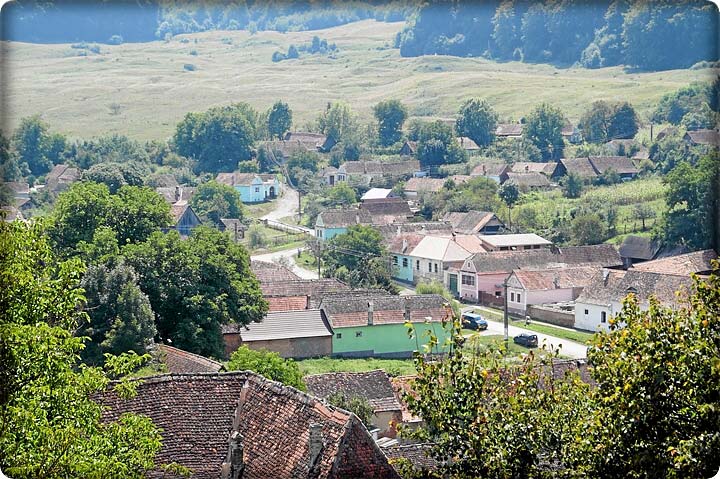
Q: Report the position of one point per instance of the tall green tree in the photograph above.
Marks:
(279, 120)
(595, 122)
(115, 175)
(32, 141)
(195, 286)
(49, 425)
(543, 129)
(623, 122)
(337, 121)
(214, 201)
(390, 115)
(218, 138)
(477, 120)
(510, 194)
(437, 145)
(587, 229)
(572, 185)
(268, 364)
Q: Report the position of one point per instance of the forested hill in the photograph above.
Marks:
(658, 35)
(63, 21)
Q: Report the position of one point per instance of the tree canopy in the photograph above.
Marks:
(213, 201)
(477, 120)
(543, 128)
(279, 120)
(437, 144)
(390, 115)
(268, 364)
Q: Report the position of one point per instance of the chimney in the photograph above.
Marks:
(556, 283)
(407, 310)
(398, 231)
(315, 445)
(371, 308)
(527, 168)
(233, 466)
(405, 245)
(178, 193)
(357, 218)
(606, 274)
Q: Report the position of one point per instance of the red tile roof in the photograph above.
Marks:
(179, 361)
(684, 264)
(374, 386)
(198, 413)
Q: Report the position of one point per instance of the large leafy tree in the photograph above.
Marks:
(437, 144)
(196, 285)
(477, 120)
(595, 122)
(133, 214)
(337, 121)
(390, 115)
(218, 138)
(115, 175)
(49, 425)
(268, 364)
(36, 147)
(213, 201)
(279, 120)
(543, 129)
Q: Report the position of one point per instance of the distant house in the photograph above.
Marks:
(178, 361)
(422, 228)
(271, 272)
(184, 218)
(416, 186)
(233, 226)
(282, 150)
(699, 262)
(509, 130)
(474, 222)
(408, 148)
(622, 165)
(527, 181)
(667, 131)
(579, 166)
(19, 189)
(373, 386)
(481, 276)
(253, 187)
(491, 170)
(468, 145)
(11, 213)
(296, 294)
(377, 194)
(513, 242)
(61, 177)
(374, 325)
(571, 134)
(239, 424)
(332, 176)
(175, 194)
(364, 172)
(602, 298)
(528, 287)
(331, 223)
(311, 141)
(390, 210)
(636, 249)
(547, 169)
(292, 334)
(703, 137)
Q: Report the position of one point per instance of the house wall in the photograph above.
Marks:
(592, 320)
(296, 348)
(386, 421)
(249, 195)
(328, 233)
(553, 316)
(390, 340)
(536, 297)
(403, 273)
(187, 223)
(426, 272)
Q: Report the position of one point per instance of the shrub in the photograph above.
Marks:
(268, 364)
(115, 40)
(189, 67)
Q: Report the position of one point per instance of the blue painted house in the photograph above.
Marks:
(331, 223)
(253, 187)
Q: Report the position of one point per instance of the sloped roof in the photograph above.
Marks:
(509, 129)
(388, 210)
(621, 164)
(421, 228)
(377, 193)
(304, 323)
(236, 178)
(639, 247)
(179, 209)
(433, 184)
(179, 361)
(506, 261)
(374, 386)
(611, 285)
(704, 137)
(416, 454)
(561, 278)
(403, 243)
(514, 240)
(442, 248)
(352, 310)
(467, 143)
(469, 222)
(17, 187)
(271, 272)
(580, 166)
(533, 167)
(530, 180)
(287, 147)
(302, 287)
(10, 213)
(310, 140)
(170, 193)
(490, 168)
(684, 264)
(198, 413)
(343, 218)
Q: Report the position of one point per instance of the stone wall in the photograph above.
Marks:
(552, 315)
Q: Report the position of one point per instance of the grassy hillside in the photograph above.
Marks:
(142, 89)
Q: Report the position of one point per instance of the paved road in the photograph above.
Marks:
(286, 205)
(568, 348)
(289, 254)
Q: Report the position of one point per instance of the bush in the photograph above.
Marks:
(256, 237)
(94, 48)
(278, 57)
(115, 40)
(193, 53)
(189, 67)
(268, 364)
(355, 404)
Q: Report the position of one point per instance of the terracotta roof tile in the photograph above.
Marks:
(374, 386)
(684, 264)
(179, 361)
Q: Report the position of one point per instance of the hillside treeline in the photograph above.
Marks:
(660, 35)
(147, 20)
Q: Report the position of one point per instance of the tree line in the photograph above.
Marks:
(586, 33)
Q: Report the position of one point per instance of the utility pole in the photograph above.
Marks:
(319, 248)
(505, 312)
(299, 207)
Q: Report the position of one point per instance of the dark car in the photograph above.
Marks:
(474, 321)
(527, 340)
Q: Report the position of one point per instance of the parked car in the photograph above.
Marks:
(527, 340)
(474, 321)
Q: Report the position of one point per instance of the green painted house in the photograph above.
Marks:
(373, 325)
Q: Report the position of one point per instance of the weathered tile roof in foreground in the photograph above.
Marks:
(271, 423)
(374, 386)
(683, 264)
(182, 362)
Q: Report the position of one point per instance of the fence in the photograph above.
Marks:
(554, 316)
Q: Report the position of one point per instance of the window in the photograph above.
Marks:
(468, 280)
(497, 294)
(417, 265)
(587, 312)
(519, 298)
(435, 268)
(429, 267)
(603, 317)
(405, 262)
(395, 260)
(257, 189)
(358, 334)
(512, 296)
(338, 336)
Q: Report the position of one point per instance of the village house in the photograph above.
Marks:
(253, 187)
(61, 177)
(235, 227)
(178, 361)
(239, 424)
(176, 193)
(292, 334)
(332, 176)
(373, 325)
(271, 272)
(297, 294)
(547, 169)
(490, 170)
(546, 286)
(602, 298)
(10, 213)
(468, 145)
(373, 386)
(698, 262)
(368, 172)
(579, 166)
(408, 148)
(184, 218)
(474, 222)
(416, 186)
(387, 211)
(622, 165)
(311, 141)
(509, 130)
(571, 134)
(636, 249)
(527, 181)
(331, 223)
(377, 194)
(481, 276)
(421, 227)
(513, 242)
(702, 137)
